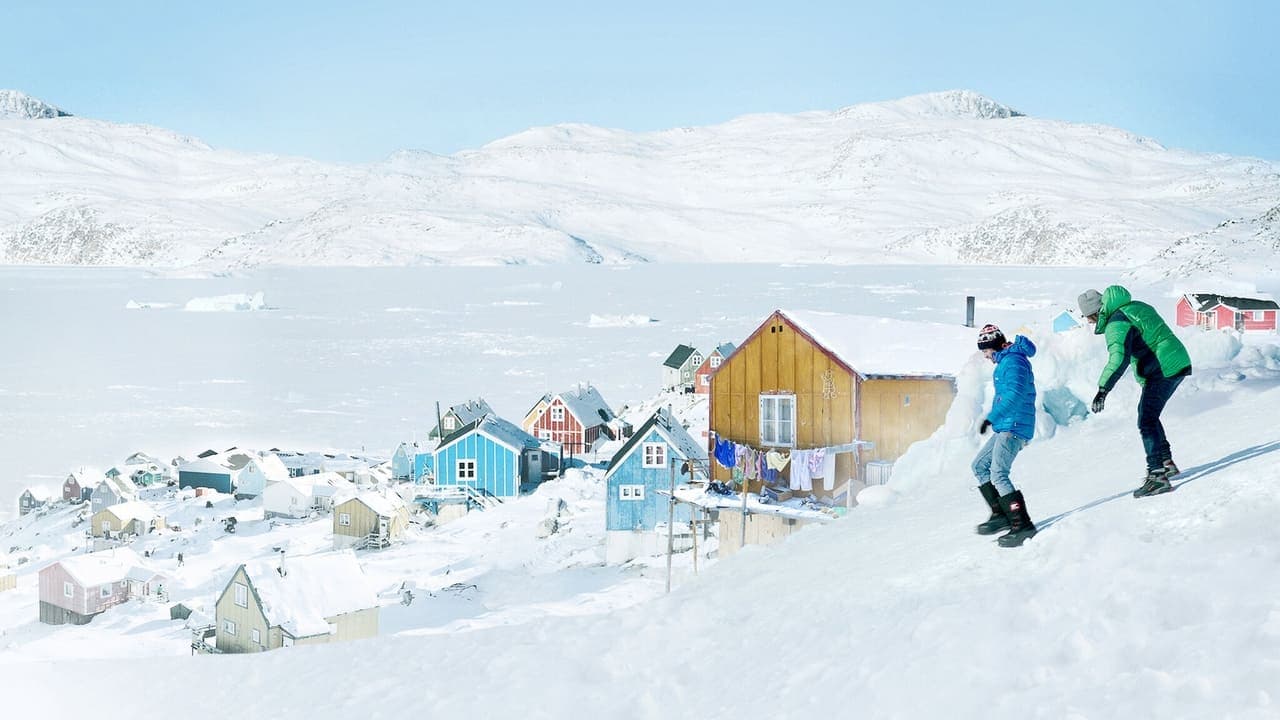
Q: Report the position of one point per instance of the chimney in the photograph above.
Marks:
(968, 311)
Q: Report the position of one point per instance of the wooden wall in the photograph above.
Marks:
(896, 413)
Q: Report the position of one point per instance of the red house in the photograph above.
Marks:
(575, 419)
(702, 377)
(1218, 312)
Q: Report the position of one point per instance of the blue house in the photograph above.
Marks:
(207, 473)
(492, 455)
(1065, 321)
(402, 463)
(642, 467)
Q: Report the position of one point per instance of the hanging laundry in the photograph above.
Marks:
(829, 472)
(753, 462)
(800, 477)
(777, 460)
(724, 453)
(817, 459)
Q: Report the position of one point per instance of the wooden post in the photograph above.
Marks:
(742, 542)
(693, 530)
(671, 520)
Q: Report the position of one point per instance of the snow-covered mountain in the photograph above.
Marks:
(945, 177)
(15, 105)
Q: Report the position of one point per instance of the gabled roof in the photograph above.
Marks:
(129, 511)
(880, 347)
(670, 429)
(1204, 302)
(119, 485)
(271, 466)
(205, 465)
(587, 406)
(100, 568)
(678, 357)
(725, 349)
(312, 589)
(39, 492)
(498, 429)
(382, 505)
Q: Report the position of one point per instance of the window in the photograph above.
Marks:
(557, 414)
(105, 591)
(449, 423)
(68, 589)
(655, 455)
(630, 492)
(716, 360)
(544, 434)
(1259, 315)
(256, 636)
(228, 627)
(705, 380)
(106, 527)
(777, 420)
(333, 628)
(242, 595)
(344, 519)
(466, 469)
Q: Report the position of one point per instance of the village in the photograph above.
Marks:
(257, 549)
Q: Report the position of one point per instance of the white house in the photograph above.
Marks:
(260, 471)
(296, 497)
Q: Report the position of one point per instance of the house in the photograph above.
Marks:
(128, 518)
(307, 600)
(146, 471)
(492, 456)
(32, 499)
(210, 471)
(679, 367)
(370, 519)
(634, 507)
(259, 471)
(345, 465)
(78, 486)
(702, 376)
(531, 417)
(76, 589)
(1220, 312)
(823, 380)
(112, 490)
(402, 463)
(575, 419)
(299, 463)
(1064, 321)
(297, 497)
(459, 415)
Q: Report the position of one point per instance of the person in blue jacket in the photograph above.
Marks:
(1012, 422)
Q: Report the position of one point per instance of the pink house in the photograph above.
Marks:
(76, 589)
(1219, 312)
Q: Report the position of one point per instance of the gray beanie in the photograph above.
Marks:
(1090, 302)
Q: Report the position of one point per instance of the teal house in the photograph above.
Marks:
(634, 505)
(493, 456)
(205, 473)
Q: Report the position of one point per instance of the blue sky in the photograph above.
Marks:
(357, 81)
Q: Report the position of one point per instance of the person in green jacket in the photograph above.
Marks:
(1137, 334)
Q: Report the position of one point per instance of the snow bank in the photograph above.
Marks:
(226, 303)
(135, 305)
(611, 321)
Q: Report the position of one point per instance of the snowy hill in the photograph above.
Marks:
(945, 177)
(1120, 608)
(15, 105)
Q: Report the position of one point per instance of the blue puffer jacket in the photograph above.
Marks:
(1014, 409)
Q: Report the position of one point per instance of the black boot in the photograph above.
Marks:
(1157, 484)
(1020, 526)
(998, 520)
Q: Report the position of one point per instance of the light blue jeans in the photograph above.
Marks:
(995, 458)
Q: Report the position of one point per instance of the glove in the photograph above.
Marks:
(1099, 401)
(984, 427)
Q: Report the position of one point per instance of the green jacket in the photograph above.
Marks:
(1136, 332)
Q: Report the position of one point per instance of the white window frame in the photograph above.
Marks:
(630, 492)
(241, 595)
(653, 455)
(68, 590)
(716, 360)
(104, 592)
(229, 627)
(557, 413)
(344, 519)
(256, 636)
(705, 380)
(449, 423)
(333, 628)
(1259, 315)
(544, 435)
(774, 430)
(466, 469)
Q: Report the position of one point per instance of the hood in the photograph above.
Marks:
(1021, 346)
(1113, 298)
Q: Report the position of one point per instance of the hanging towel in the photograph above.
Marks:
(752, 466)
(817, 460)
(777, 460)
(725, 453)
(829, 472)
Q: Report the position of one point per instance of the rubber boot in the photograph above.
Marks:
(998, 520)
(1157, 484)
(1020, 526)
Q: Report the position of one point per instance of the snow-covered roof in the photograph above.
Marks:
(272, 467)
(503, 431)
(312, 589)
(205, 465)
(670, 429)
(39, 492)
(128, 511)
(880, 347)
(471, 410)
(100, 568)
(383, 505)
(586, 404)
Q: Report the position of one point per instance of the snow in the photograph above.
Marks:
(226, 303)
(1161, 607)
(613, 321)
(101, 568)
(385, 505)
(310, 589)
(875, 346)
(133, 510)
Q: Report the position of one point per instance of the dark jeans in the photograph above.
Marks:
(1155, 395)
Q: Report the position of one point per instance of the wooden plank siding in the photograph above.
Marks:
(247, 619)
(498, 468)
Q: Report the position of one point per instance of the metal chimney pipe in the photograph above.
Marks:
(968, 311)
